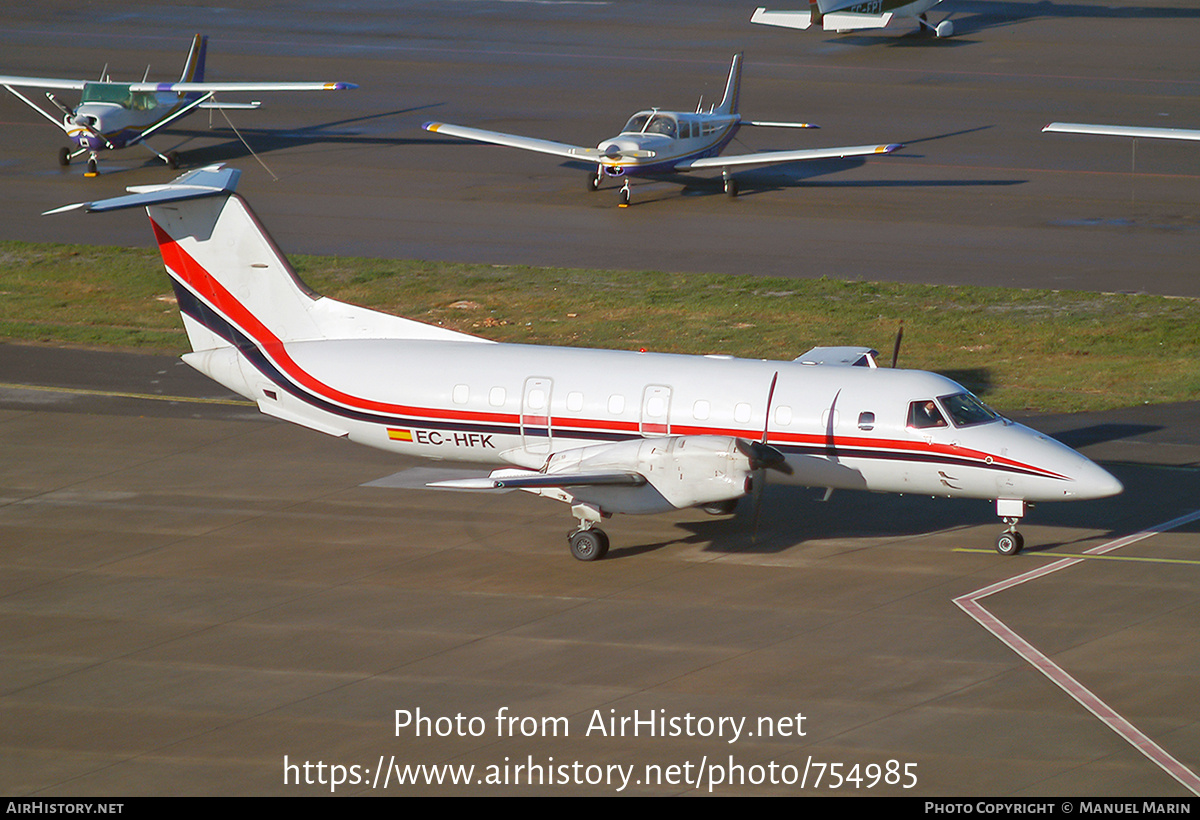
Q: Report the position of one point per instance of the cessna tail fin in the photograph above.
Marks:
(193, 68)
(729, 103)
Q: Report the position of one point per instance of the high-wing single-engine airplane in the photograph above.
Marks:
(852, 15)
(1124, 131)
(116, 115)
(606, 431)
(656, 142)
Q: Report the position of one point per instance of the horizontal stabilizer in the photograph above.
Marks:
(783, 19)
(764, 124)
(212, 180)
(849, 21)
(1123, 131)
(231, 106)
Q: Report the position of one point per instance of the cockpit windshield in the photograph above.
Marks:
(636, 123)
(651, 122)
(118, 94)
(966, 410)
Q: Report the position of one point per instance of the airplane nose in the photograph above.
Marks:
(1096, 482)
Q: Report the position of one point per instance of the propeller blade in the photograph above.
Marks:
(59, 104)
(896, 349)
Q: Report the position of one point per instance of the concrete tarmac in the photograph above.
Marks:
(199, 600)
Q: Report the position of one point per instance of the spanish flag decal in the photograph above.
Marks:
(396, 434)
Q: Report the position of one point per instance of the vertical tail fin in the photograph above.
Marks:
(235, 288)
(193, 69)
(729, 103)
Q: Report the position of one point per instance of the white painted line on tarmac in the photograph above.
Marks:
(969, 603)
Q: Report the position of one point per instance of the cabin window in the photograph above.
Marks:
(866, 421)
(783, 415)
(924, 414)
(661, 124)
(461, 393)
(685, 130)
(496, 397)
(575, 401)
(741, 412)
(701, 410)
(616, 404)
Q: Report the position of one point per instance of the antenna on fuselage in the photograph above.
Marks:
(700, 105)
(147, 74)
(104, 73)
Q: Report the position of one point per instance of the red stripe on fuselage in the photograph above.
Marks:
(192, 273)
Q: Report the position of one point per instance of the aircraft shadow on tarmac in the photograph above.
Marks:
(790, 519)
(230, 147)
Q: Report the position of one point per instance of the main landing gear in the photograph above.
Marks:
(588, 542)
(731, 186)
(1010, 510)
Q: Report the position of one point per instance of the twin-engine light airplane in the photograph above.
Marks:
(606, 431)
(656, 142)
(116, 115)
(852, 15)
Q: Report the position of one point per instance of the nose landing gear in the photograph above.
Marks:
(1010, 510)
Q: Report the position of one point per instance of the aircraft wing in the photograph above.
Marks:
(530, 480)
(558, 149)
(212, 88)
(42, 82)
(1123, 131)
(775, 157)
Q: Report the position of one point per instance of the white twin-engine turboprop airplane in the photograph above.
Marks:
(116, 115)
(852, 15)
(606, 431)
(657, 142)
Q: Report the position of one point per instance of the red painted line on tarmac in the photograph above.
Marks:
(969, 603)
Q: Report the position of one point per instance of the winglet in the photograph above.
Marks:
(212, 180)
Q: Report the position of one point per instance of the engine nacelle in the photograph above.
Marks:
(683, 470)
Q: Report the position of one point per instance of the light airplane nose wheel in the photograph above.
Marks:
(92, 169)
(1010, 542)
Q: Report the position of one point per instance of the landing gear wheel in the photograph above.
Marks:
(64, 157)
(92, 170)
(593, 183)
(625, 195)
(589, 545)
(172, 160)
(725, 507)
(731, 188)
(1010, 543)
